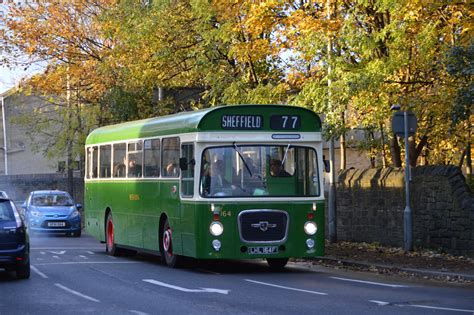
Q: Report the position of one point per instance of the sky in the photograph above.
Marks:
(9, 77)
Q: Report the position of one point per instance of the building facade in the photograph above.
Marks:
(21, 153)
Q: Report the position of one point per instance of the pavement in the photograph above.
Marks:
(392, 261)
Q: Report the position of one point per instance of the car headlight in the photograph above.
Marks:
(216, 228)
(310, 228)
(74, 214)
(36, 213)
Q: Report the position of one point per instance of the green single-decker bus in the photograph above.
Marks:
(228, 182)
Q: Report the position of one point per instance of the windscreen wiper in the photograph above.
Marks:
(242, 158)
(286, 154)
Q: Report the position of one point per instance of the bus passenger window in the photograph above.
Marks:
(152, 158)
(135, 161)
(105, 161)
(95, 158)
(170, 161)
(120, 160)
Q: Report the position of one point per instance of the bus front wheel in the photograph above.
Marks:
(110, 246)
(168, 257)
(277, 263)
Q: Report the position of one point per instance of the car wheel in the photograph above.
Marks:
(166, 248)
(77, 234)
(277, 263)
(110, 246)
(23, 271)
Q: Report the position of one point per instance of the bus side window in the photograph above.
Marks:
(105, 161)
(95, 162)
(119, 163)
(135, 159)
(170, 157)
(151, 158)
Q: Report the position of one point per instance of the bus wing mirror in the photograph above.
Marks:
(183, 164)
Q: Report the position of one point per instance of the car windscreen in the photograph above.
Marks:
(51, 200)
(6, 211)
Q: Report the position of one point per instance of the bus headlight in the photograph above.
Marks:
(310, 228)
(216, 228)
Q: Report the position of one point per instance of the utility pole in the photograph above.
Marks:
(332, 223)
(5, 148)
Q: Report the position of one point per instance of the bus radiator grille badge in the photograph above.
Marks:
(263, 225)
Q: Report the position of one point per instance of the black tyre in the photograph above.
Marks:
(277, 263)
(23, 271)
(110, 246)
(77, 234)
(166, 247)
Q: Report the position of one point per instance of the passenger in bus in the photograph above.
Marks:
(134, 169)
(213, 180)
(171, 170)
(277, 170)
(119, 169)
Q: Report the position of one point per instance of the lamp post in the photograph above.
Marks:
(405, 123)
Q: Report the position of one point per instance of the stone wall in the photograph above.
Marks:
(370, 206)
(19, 186)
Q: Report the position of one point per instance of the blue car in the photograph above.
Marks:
(52, 211)
(14, 241)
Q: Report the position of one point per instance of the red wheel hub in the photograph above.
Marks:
(167, 242)
(110, 234)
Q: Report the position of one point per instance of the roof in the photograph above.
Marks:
(201, 120)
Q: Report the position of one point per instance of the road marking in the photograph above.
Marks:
(90, 262)
(137, 312)
(208, 271)
(43, 253)
(382, 303)
(90, 253)
(286, 288)
(174, 287)
(371, 282)
(83, 257)
(39, 272)
(76, 293)
(57, 257)
(61, 252)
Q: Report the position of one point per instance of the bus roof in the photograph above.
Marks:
(231, 118)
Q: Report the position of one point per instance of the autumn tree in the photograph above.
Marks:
(67, 37)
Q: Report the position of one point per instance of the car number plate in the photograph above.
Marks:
(56, 224)
(263, 250)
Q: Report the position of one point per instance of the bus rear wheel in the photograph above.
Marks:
(277, 263)
(168, 257)
(110, 246)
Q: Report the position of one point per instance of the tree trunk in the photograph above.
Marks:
(70, 173)
(384, 154)
(396, 152)
(468, 159)
(413, 153)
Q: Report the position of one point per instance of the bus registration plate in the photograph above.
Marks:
(263, 250)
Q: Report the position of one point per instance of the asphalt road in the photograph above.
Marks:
(74, 275)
